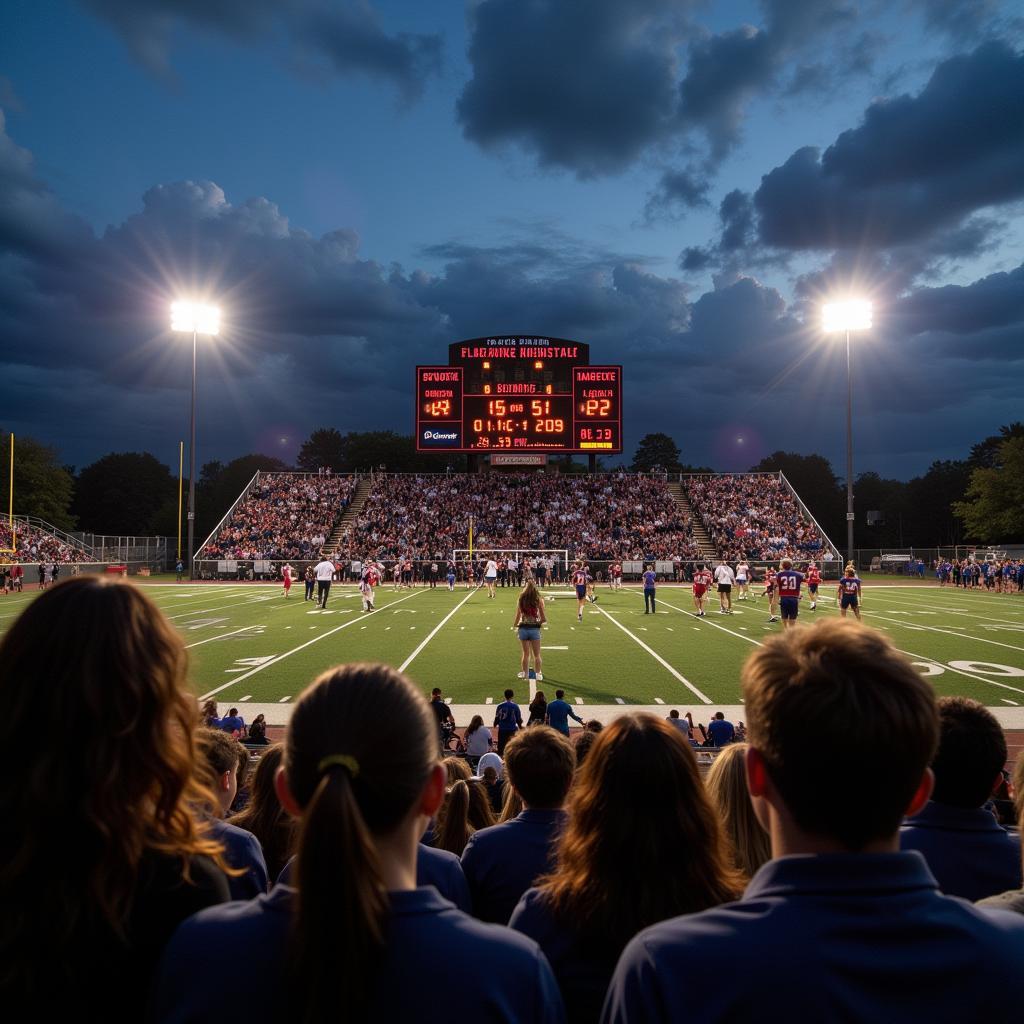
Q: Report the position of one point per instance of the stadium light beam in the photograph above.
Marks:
(843, 317)
(195, 318)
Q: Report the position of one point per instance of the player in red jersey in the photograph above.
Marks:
(788, 582)
(615, 578)
(769, 589)
(286, 575)
(370, 579)
(813, 579)
(702, 579)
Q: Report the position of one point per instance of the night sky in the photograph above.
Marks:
(358, 184)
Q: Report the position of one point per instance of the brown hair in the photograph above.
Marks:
(452, 828)
(458, 770)
(111, 776)
(726, 784)
(480, 813)
(511, 804)
(971, 754)
(379, 739)
(530, 601)
(804, 690)
(264, 816)
(642, 843)
(539, 763)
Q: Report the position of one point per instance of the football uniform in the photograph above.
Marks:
(849, 591)
(789, 582)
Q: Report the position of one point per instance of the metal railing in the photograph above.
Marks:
(227, 515)
(807, 512)
(42, 526)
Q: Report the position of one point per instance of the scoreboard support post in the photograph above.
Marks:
(592, 463)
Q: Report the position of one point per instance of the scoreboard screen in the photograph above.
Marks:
(516, 394)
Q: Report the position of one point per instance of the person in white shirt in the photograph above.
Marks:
(324, 574)
(742, 580)
(725, 578)
(491, 576)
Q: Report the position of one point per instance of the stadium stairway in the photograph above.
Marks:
(700, 535)
(340, 531)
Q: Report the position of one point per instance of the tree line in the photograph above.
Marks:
(979, 499)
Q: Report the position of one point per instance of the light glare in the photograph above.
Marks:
(852, 315)
(194, 316)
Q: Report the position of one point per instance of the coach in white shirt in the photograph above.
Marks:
(725, 578)
(324, 574)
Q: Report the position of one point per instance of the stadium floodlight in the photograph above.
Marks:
(193, 318)
(843, 317)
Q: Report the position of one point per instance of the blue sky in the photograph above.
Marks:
(361, 184)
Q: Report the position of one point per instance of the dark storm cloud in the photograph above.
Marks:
(583, 84)
(914, 165)
(347, 36)
(676, 192)
(963, 19)
(590, 85)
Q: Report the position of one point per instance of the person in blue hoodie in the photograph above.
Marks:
(354, 938)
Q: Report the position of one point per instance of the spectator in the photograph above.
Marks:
(840, 909)
(502, 862)
(234, 724)
(682, 724)
(457, 770)
(443, 716)
(594, 725)
(1013, 899)
(264, 817)
(538, 710)
(559, 713)
(477, 739)
(495, 788)
(209, 715)
(452, 828)
(508, 719)
(101, 856)
(258, 731)
(727, 787)
(218, 761)
(360, 770)
(968, 851)
(626, 861)
(720, 732)
(584, 742)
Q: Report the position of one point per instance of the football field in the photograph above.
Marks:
(250, 645)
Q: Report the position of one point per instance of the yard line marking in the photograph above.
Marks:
(709, 622)
(386, 628)
(910, 603)
(248, 696)
(658, 658)
(670, 629)
(210, 639)
(284, 700)
(301, 647)
(563, 647)
(960, 671)
(658, 700)
(490, 700)
(936, 629)
(579, 700)
(1006, 700)
(619, 700)
(430, 636)
(533, 689)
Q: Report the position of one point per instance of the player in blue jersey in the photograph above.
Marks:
(579, 581)
(788, 582)
(849, 592)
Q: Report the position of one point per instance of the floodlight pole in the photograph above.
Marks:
(849, 453)
(192, 465)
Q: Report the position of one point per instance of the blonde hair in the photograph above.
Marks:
(726, 784)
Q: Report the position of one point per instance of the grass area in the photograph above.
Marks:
(249, 644)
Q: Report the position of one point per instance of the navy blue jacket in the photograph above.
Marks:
(835, 937)
(432, 951)
(968, 851)
(503, 861)
(242, 850)
(438, 868)
(582, 963)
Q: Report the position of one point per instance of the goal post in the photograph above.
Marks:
(559, 556)
(10, 508)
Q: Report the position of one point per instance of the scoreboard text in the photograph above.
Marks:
(518, 397)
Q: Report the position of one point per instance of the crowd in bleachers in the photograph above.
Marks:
(753, 516)
(32, 545)
(622, 516)
(286, 515)
(845, 863)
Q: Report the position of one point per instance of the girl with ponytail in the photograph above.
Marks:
(352, 937)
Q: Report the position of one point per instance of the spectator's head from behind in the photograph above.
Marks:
(361, 773)
(539, 763)
(435, 693)
(720, 716)
(972, 751)
(726, 785)
(456, 770)
(842, 730)
(219, 764)
(98, 663)
(559, 694)
(509, 694)
(673, 713)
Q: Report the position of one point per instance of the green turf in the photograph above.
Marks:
(969, 643)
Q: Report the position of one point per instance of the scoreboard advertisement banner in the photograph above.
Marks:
(524, 403)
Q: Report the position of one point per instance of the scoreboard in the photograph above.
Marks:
(519, 394)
